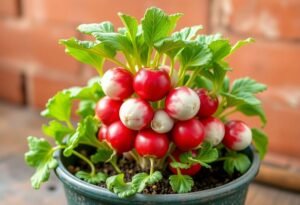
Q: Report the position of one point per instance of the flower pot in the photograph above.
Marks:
(79, 192)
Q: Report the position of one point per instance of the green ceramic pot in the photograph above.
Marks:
(79, 192)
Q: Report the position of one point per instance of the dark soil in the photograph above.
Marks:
(205, 179)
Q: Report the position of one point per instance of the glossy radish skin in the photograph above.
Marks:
(117, 83)
(102, 134)
(107, 110)
(151, 85)
(238, 135)
(193, 170)
(209, 104)
(162, 122)
(188, 135)
(182, 103)
(120, 137)
(214, 130)
(151, 144)
(173, 77)
(136, 114)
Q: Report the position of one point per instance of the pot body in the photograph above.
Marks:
(79, 192)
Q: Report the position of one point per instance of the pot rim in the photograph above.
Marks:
(97, 192)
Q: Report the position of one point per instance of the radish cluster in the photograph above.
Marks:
(184, 117)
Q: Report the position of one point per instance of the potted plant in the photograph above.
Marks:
(157, 128)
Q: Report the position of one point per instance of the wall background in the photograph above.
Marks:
(33, 66)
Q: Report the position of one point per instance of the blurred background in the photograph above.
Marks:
(33, 67)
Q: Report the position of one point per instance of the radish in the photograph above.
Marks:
(182, 103)
(188, 135)
(117, 83)
(162, 122)
(120, 137)
(209, 104)
(151, 144)
(194, 169)
(214, 130)
(152, 85)
(173, 77)
(107, 110)
(238, 135)
(136, 114)
(102, 133)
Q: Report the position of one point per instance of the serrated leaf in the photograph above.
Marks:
(154, 177)
(207, 153)
(241, 98)
(173, 19)
(247, 85)
(117, 185)
(59, 107)
(202, 82)
(85, 134)
(253, 110)
(104, 27)
(261, 142)
(208, 39)
(40, 156)
(131, 25)
(236, 161)
(96, 179)
(241, 43)
(169, 46)
(86, 108)
(180, 165)
(57, 130)
(141, 180)
(102, 155)
(187, 33)
(181, 183)
(220, 49)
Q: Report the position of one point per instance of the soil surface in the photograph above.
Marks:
(204, 179)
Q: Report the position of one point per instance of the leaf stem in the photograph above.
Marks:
(69, 124)
(192, 77)
(149, 57)
(93, 169)
(115, 166)
(119, 63)
(228, 113)
(151, 165)
(164, 59)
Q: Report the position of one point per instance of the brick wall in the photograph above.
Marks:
(33, 66)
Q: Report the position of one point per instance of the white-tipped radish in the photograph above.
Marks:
(136, 114)
(162, 122)
(238, 135)
(117, 83)
(214, 130)
(182, 103)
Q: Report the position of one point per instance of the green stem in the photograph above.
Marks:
(93, 169)
(117, 62)
(115, 166)
(164, 59)
(136, 54)
(192, 77)
(228, 113)
(69, 124)
(172, 67)
(149, 57)
(134, 156)
(129, 60)
(156, 60)
(151, 166)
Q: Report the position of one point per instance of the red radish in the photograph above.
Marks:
(120, 137)
(136, 114)
(162, 122)
(194, 169)
(188, 135)
(173, 77)
(107, 110)
(182, 103)
(214, 130)
(209, 104)
(151, 144)
(152, 85)
(117, 83)
(238, 135)
(102, 134)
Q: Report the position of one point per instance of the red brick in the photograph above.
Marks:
(25, 42)
(272, 19)
(80, 11)
(271, 62)
(11, 84)
(8, 8)
(41, 86)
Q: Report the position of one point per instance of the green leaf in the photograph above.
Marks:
(131, 25)
(220, 49)
(40, 156)
(102, 155)
(141, 180)
(117, 185)
(96, 179)
(195, 54)
(156, 25)
(202, 82)
(104, 27)
(180, 165)
(173, 19)
(154, 177)
(247, 85)
(236, 161)
(253, 110)
(187, 33)
(85, 134)
(169, 45)
(240, 98)
(57, 130)
(241, 43)
(181, 183)
(59, 107)
(207, 153)
(208, 39)
(86, 108)
(261, 142)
